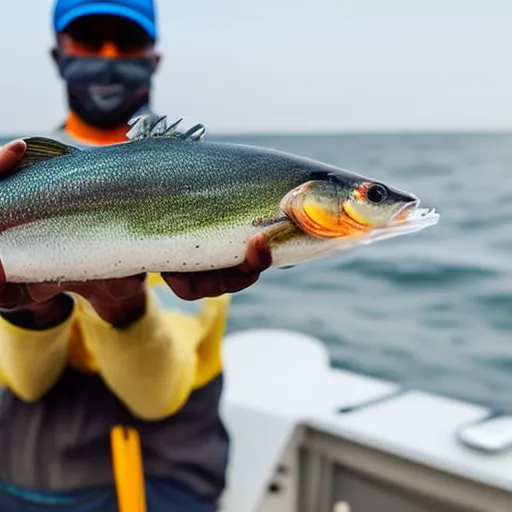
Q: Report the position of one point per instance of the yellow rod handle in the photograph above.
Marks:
(128, 469)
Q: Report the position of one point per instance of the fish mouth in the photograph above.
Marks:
(403, 214)
(411, 214)
(422, 216)
(411, 219)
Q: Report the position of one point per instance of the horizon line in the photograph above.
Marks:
(422, 131)
(341, 132)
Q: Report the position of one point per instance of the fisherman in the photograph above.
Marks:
(109, 401)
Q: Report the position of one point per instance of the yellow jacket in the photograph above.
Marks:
(151, 366)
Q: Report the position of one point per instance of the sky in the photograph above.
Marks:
(293, 66)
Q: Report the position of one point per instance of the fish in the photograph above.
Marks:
(172, 201)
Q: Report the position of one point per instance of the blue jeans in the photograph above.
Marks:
(161, 496)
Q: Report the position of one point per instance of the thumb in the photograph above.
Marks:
(258, 256)
(11, 154)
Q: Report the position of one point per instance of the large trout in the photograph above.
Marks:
(165, 201)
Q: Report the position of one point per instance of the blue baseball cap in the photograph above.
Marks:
(141, 12)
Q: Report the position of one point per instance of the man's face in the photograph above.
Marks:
(107, 63)
(106, 36)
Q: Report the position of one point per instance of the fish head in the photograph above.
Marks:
(340, 204)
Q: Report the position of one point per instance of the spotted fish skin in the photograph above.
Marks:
(155, 204)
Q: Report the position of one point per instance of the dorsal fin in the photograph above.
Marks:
(148, 126)
(42, 148)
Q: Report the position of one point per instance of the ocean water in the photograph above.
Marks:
(430, 310)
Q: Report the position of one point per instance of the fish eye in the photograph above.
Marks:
(376, 193)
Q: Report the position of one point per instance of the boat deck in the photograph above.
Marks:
(310, 438)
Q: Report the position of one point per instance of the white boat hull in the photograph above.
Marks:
(396, 451)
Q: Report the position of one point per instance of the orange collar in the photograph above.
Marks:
(87, 134)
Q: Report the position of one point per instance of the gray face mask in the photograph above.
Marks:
(106, 92)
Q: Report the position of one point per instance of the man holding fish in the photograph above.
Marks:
(92, 363)
(91, 368)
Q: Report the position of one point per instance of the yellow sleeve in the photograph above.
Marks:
(154, 364)
(32, 361)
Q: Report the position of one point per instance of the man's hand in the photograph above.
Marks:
(16, 300)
